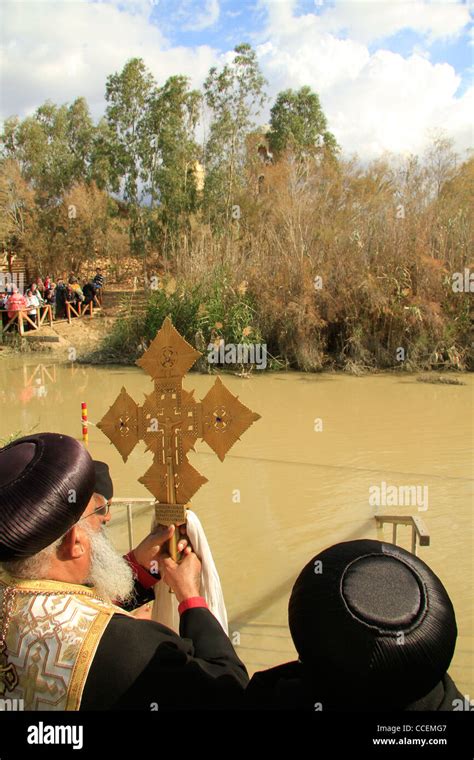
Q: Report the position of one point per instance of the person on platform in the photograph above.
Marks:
(37, 289)
(76, 289)
(99, 282)
(90, 294)
(33, 303)
(3, 307)
(15, 302)
(374, 629)
(50, 295)
(71, 298)
(65, 644)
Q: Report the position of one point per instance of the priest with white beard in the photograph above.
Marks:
(65, 643)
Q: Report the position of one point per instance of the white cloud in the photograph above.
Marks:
(371, 20)
(62, 50)
(375, 102)
(206, 17)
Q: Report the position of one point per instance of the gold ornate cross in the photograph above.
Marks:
(170, 422)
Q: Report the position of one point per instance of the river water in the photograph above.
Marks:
(297, 482)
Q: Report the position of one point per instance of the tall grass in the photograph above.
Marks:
(331, 265)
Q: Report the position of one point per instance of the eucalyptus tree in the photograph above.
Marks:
(128, 95)
(52, 151)
(234, 95)
(171, 155)
(104, 169)
(298, 122)
(52, 147)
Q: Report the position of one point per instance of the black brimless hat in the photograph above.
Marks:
(374, 627)
(103, 481)
(46, 482)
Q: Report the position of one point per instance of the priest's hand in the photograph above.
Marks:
(149, 549)
(184, 579)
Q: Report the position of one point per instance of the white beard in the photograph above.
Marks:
(110, 573)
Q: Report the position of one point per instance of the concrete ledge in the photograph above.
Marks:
(43, 338)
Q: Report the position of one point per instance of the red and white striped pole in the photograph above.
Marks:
(85, 430)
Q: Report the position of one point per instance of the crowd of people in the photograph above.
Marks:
(46, 292)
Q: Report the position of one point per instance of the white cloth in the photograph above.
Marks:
(165, 606)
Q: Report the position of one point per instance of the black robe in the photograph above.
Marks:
(286, 687)
(143, 665)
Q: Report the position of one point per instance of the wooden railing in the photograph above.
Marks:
(22, 318)
(79, 310)
(44, 314)
(419, 531)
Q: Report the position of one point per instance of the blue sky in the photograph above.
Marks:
(237, 20)
(388, 72)
(240, 20)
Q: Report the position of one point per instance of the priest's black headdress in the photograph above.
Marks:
(372, 624)
(103, 481)
(46, 482)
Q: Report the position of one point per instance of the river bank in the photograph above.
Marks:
(61, 341)
(227, 327)
(72, 345)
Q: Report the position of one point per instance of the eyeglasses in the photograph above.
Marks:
(102, 510)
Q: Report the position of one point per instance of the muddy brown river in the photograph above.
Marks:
(303, 477)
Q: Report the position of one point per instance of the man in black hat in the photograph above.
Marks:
(140, 559)
(64, 642)
(374, 629)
